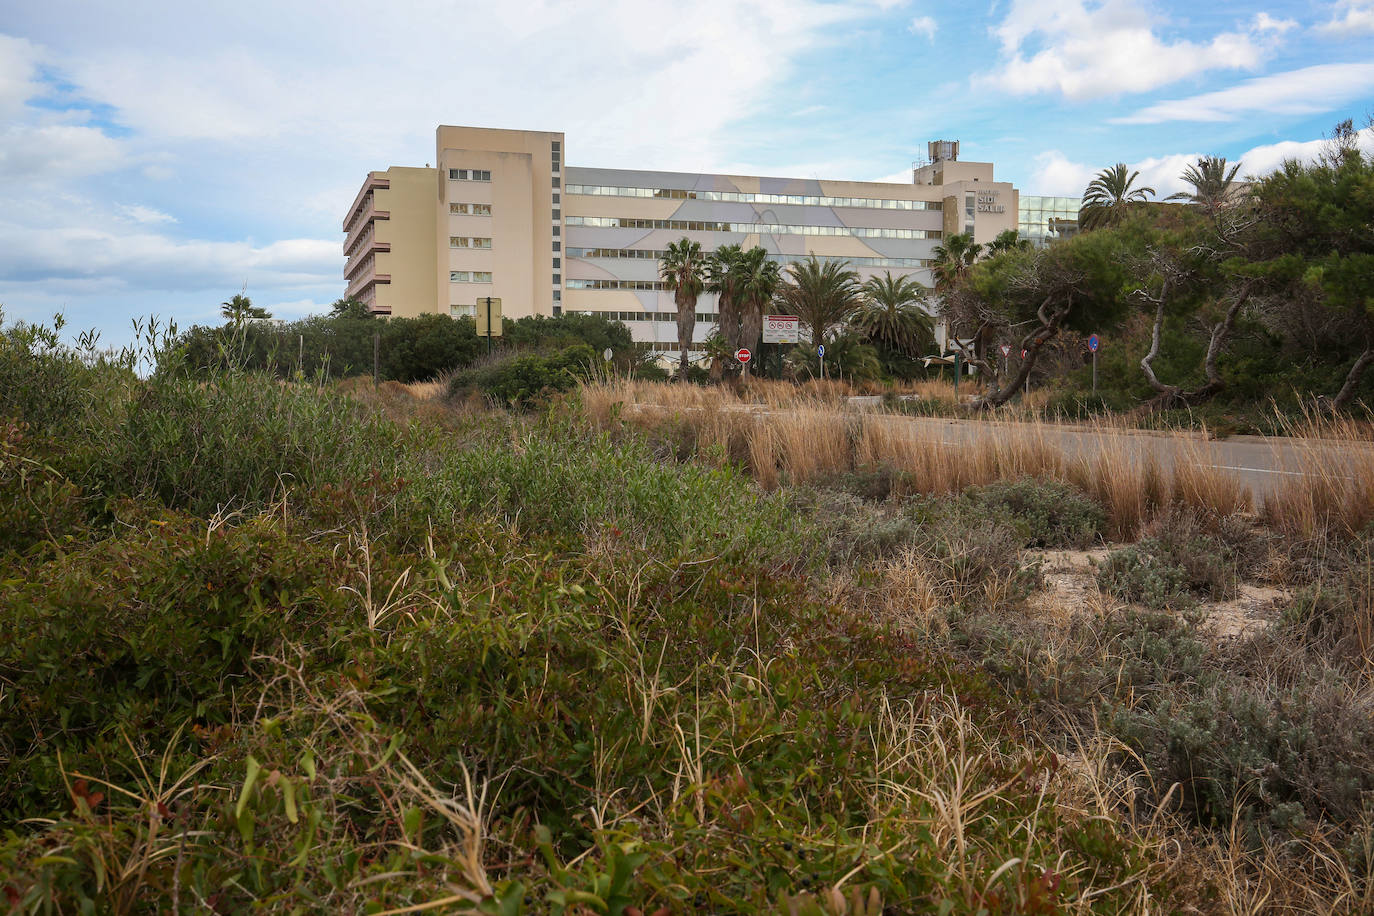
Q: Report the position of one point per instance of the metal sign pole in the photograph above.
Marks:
(488, 324)
(1094, 372)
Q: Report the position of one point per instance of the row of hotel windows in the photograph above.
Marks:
(652, 254)
(469, 175)
(469, 276)
(471, 209)
(616, 284)
(742, 197)
(652, 316)
(615, 222)
(462, 241)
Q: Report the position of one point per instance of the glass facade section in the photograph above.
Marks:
(741, 197)
(653, 254)
(614, 222)
(1046, 219)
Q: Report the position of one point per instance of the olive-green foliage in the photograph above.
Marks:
(408, 349)
(596, 331)
(1333, 610)
(971, 548)
(1044, 513)
(236, 440)
(38, 505)
(628, 650)
(518, 380)
(38, 377)
(1180, 561)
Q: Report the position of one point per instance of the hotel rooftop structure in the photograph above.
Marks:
(502, 215)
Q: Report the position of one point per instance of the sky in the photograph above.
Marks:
(157, 158)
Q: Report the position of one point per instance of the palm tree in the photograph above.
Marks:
(954, 259)
(760, 278)
(683, 269)
(1211, 182)
(1008, 240)
(1110, 196)
(821, 295)
(891, 315)
(240, 308)
(723, 278)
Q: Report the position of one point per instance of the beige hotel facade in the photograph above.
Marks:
(501, 214)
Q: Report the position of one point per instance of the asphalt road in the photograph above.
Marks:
(1262, 464)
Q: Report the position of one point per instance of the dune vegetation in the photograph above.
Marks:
(313, 646)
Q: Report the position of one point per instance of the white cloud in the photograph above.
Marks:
(1350, 17)
(145, 215)
(1055, 174)
(40, 152)
(1263, 22)
(18, 63)
(923, 25)
(1083, 51)
(83, 247)
(1306, 91)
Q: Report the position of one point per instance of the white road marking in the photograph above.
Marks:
(1232, 467)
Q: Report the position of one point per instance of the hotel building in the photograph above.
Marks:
(501, 214)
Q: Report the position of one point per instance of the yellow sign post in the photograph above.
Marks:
(488, 318)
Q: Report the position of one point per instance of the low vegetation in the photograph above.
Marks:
(310, 646)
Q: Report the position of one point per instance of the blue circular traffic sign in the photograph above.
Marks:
(1093, 342)
(820, 351)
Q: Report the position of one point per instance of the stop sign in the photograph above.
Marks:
(743, 355)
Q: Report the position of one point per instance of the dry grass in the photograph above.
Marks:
(799, 435)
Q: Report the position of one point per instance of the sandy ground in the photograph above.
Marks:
(1070, 588)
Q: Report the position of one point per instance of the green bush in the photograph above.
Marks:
(232, 440)
(521, 380)
(141, 632)
(1181, 561)
(1044, 513)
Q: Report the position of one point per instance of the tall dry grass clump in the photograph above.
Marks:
(793, 434)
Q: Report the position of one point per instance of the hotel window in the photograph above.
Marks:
(555, 181)
(557, 262)
(481, 175)
(481, 243)
(557, 213)
(556, 198)
(557, 246)
(459, 276)
(457, 174)
(558, 278)
(462, 311)
(481, 276)
(556, 231)
(481, 209)
(458, 208)
(457, 241)
(557, 296)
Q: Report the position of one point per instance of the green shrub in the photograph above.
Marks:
(37, 503)
(232, 440)
(1181, 561)
(1279, 752)
(1044, 513)
(521, 380)
(140, 632)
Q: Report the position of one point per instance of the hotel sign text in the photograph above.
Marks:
(987, 203)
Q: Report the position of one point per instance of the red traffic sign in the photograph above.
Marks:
(743, 355)
(1094, 342)
(1006, 349)
(1023, 354)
